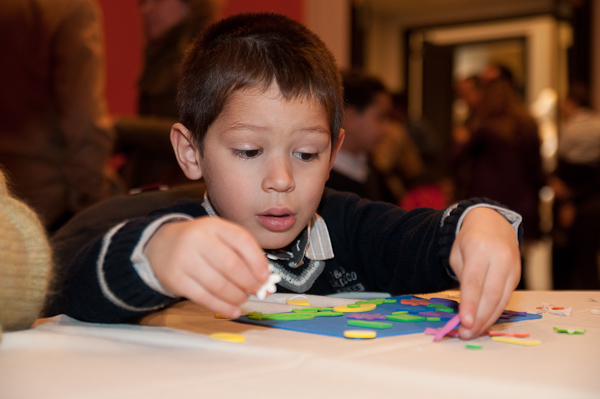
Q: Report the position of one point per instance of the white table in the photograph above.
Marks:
(171, 356)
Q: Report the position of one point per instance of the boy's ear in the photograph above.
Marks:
(185, 151)
(337, 147)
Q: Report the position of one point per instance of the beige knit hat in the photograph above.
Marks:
(25, 262)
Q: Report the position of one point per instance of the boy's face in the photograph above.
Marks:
(265, 163)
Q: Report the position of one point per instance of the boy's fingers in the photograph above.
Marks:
(494, 294)
(197, 293)
(498, 290)
(485, 259)
(248, 251)
(224, 260)
(487, 309)
(221, 285)
(502, 278)
(471, 287)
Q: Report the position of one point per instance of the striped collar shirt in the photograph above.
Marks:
(313, 243)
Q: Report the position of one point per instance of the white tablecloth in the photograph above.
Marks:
(171, 356)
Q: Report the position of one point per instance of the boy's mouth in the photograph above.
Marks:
(277, 219)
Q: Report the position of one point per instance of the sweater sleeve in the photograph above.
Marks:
(454, 215)
(102, 283)
(393, 250)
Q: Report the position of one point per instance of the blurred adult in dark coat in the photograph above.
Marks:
(576, 184)
(503, 149)
(169, 26)
(55, 135)
(143, 140)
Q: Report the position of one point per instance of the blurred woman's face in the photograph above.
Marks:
(158, 16)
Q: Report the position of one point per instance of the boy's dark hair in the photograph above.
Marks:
(254, 51)
(360, 89)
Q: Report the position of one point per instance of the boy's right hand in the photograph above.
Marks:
(210, 261)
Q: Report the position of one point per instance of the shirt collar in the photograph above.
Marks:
(354, 166)
(314, 241)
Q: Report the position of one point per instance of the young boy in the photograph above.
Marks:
(261, 107)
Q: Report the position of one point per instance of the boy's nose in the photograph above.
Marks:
(279, 176)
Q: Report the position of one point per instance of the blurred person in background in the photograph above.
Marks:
(468, 96)
(503, 149)
(397, 157)
(468, 93)
(576, 184)
(496, 71)
(366, 121)
(56, 135)
(411, 156)
(169, 27)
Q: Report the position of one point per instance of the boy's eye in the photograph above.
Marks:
(305, 156)
(247, 153)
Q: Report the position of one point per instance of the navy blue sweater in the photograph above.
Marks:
(377, 246)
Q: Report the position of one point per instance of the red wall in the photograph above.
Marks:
(125, 43)
(124, 53)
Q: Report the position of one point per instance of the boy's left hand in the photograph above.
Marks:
(486, 259)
